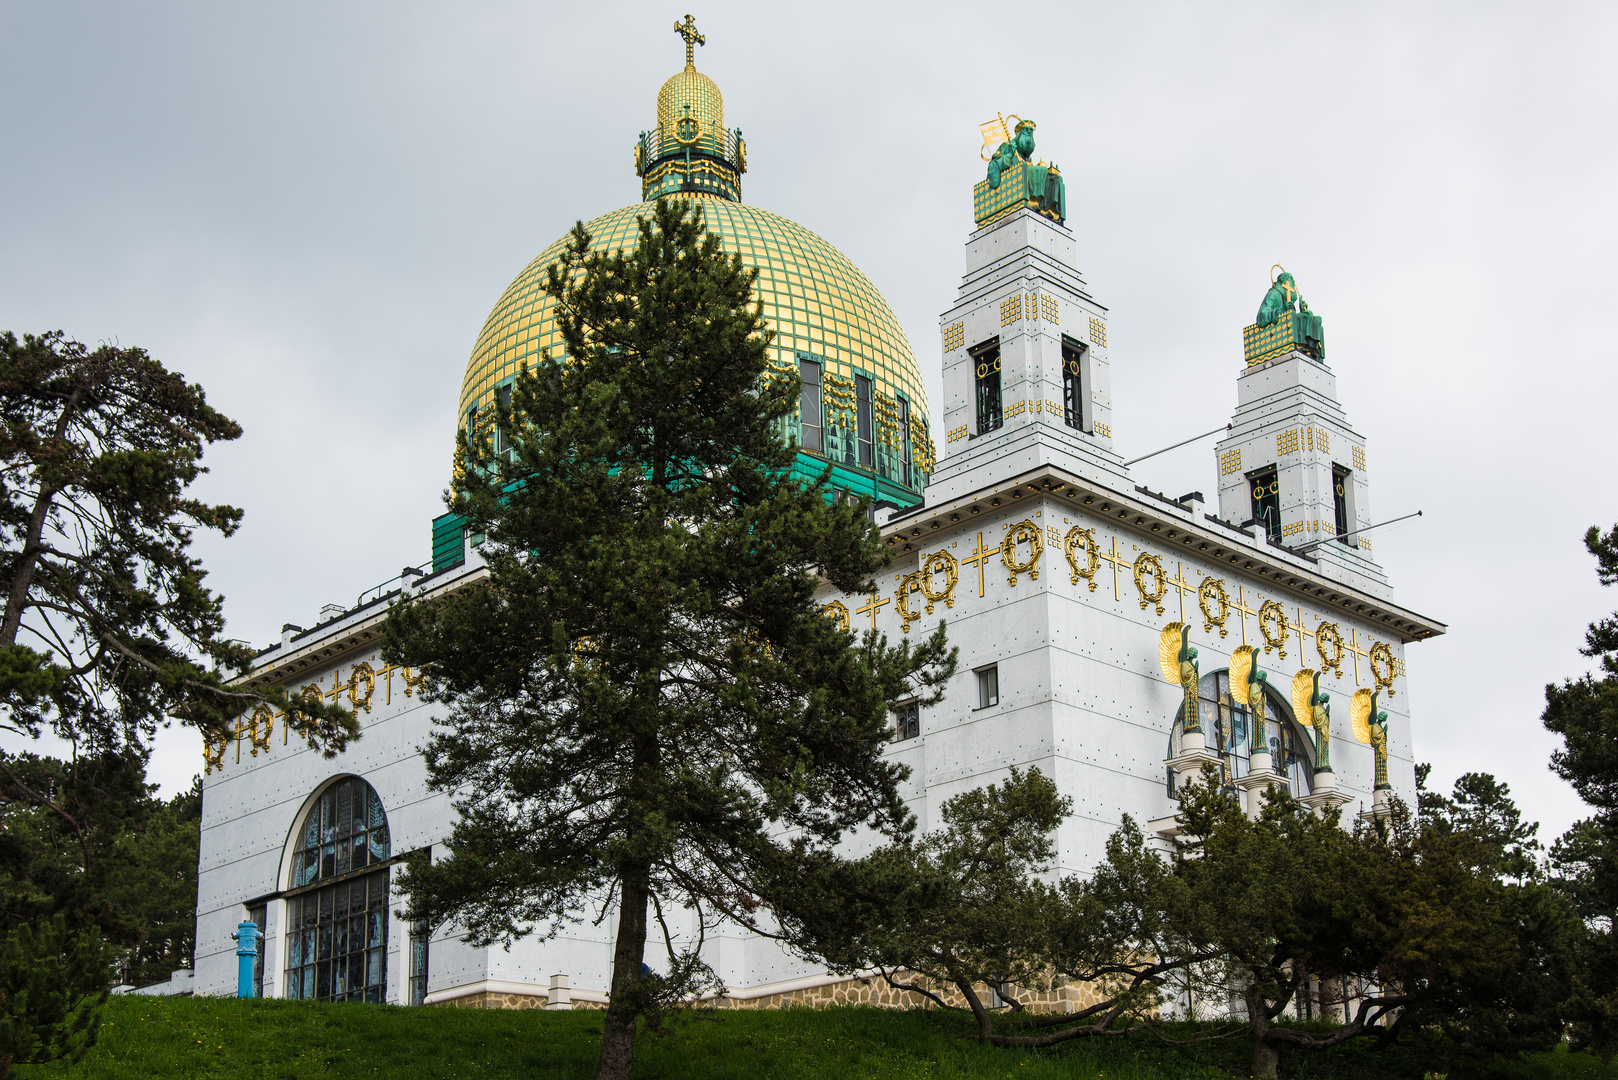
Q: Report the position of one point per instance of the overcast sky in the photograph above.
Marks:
(310, 209)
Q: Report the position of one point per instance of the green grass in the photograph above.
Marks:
(284, 1040)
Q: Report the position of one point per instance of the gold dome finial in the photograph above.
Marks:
(688, 30)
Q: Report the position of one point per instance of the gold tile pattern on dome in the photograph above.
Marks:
(815, 299)
(694, 89)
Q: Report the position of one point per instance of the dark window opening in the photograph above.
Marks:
(989, 686)
(420, 936)
(1073, 384)
(809, 406)
(1264, 489)
(502, 441)
(1340, 479)
(904, 443)
(862, 419)
(907, 719)
(986, 369)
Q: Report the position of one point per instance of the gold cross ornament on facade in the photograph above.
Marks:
(688, 30)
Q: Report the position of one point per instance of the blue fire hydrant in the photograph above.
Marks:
(246, 937)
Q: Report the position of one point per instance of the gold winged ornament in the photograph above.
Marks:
(1241, 667)
(1359, 715)
(1178, 661)
(1308, 700)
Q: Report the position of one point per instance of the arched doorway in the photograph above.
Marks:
(1226, 728)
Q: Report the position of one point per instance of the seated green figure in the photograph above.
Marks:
(1041, 183)
(1283, 298)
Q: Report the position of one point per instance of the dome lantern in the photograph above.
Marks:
(690, 151)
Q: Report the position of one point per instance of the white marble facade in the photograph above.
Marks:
(1080, 691)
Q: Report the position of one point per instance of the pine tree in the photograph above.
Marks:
(108, 629)
(645, 701)
(1584, 711)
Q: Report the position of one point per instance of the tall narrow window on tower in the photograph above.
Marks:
(502, 442)
(809, 408)
(1073, 384)
(862, 419)
(904, 441)
(986, 367)
(1265, 489)
(1341, 482)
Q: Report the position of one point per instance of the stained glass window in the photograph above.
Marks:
(1226, 729)
(337, 934)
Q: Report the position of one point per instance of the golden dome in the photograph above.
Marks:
(815, 299)
(690, 88)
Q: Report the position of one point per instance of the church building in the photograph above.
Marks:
(1117, 638)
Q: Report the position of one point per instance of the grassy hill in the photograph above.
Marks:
(283, 1040)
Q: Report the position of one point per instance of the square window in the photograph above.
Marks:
(907, 721)
(988, 686)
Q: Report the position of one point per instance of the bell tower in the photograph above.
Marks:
(1292, 468)
(1026, 378)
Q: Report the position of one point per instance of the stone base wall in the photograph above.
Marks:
(1061, 997)
(483, 999)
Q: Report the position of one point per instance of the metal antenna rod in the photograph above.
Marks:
(1311, 545)
(1177, 445)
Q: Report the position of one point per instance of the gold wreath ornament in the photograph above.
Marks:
(1023, 530)
(1241, 667)
(1168, 651)
(1209, 595)
(1328, 634)
(1382, 654)
(837, 612)
(1092, 552)
(951, 568)
(909, 584)
(1149, 564)
(1269, 612)
(1359, 715)
(1303, 694)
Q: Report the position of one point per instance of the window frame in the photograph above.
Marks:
(988, 394)
(1234, 752)
(864, 421)
(1075, 383)
(1272, 498)
(902, 407)
(988, 686)
(1342, 484)
(819, 406)
(907, 720)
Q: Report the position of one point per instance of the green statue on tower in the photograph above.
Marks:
(1042, 184)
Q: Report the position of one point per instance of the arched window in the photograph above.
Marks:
(1226, 728)
(337, 908)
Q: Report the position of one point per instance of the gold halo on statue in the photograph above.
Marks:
(1359, 715)
(1168, 651)
(1273, 269)
(1303, 693)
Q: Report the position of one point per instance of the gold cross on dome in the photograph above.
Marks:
(688, 30)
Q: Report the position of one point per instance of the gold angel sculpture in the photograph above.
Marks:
(1312, 706)
(1247, 683)
(1371, 727)
(1179, 663)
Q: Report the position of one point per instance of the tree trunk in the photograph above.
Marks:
(984, 1018)
(1266, 1057)
(23, 575)
(618, 1031)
